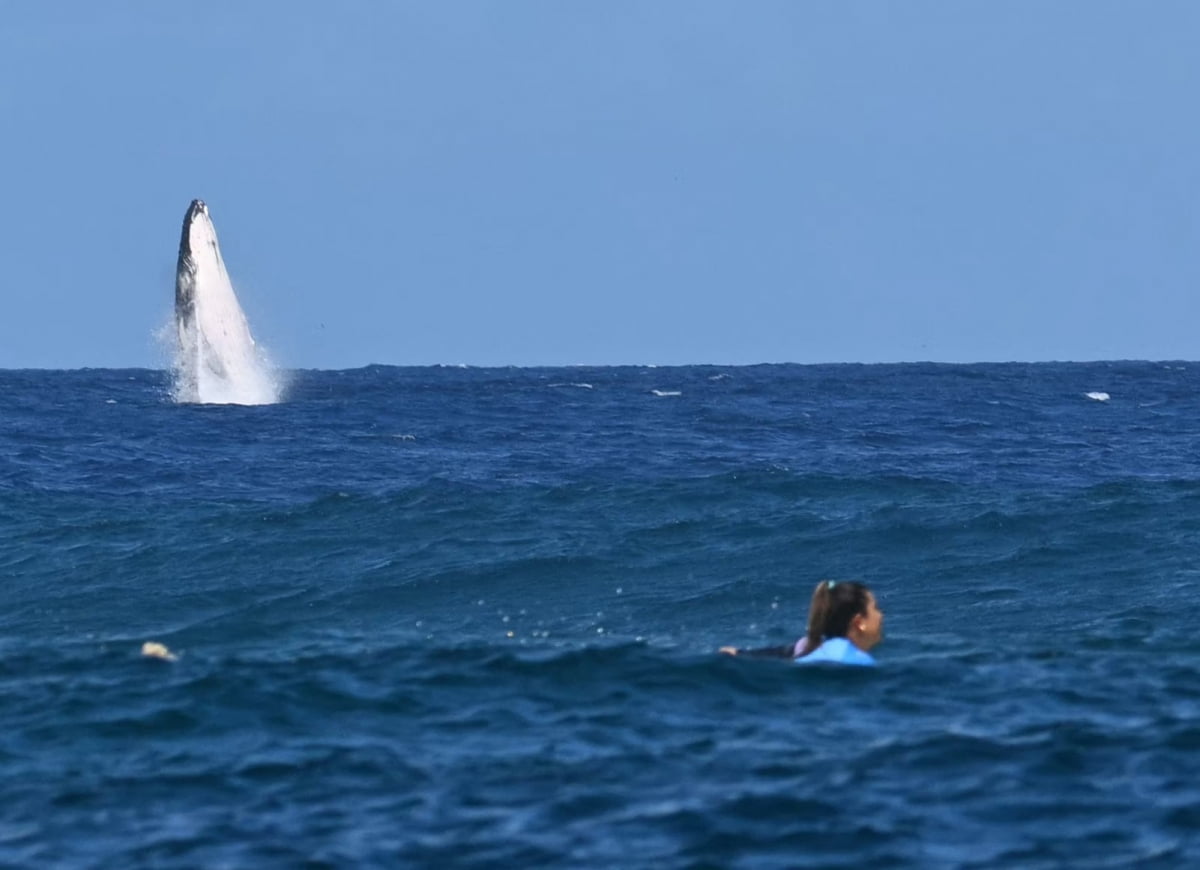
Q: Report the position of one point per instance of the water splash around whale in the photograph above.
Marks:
(216, 358)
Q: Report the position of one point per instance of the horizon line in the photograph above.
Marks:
(507, 366)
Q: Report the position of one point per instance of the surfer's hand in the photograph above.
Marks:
(728, 650)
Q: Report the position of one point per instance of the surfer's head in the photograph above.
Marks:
(844, 608)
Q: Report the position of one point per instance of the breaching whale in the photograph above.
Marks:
(216, 358)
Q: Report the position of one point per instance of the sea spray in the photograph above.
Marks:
(216, 358)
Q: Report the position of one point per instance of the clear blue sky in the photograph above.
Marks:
(607, 182)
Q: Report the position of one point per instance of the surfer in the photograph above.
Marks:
(844, 622)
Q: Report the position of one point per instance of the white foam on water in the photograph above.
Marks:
(217, 360)
(1098, 396)
(667, 392)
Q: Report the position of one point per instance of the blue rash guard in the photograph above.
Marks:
(837, 651)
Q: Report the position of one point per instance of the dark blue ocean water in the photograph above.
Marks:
(437, 617)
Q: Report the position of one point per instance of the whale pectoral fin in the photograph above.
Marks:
(213, 361)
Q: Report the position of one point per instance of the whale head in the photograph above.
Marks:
(198, 231)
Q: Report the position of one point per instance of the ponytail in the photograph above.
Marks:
(834, 605)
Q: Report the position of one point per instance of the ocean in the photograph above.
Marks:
(468, 617)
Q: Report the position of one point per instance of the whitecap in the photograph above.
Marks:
(1097, 396)
(667, 392)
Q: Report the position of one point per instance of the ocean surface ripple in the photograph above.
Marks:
(457, 617)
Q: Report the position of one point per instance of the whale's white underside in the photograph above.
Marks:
(217, 360)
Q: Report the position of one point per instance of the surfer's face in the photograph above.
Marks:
(868, 625)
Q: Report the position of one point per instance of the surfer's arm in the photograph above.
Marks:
(786, 651)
